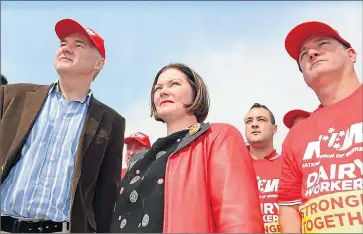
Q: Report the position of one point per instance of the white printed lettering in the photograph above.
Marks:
(353, 134)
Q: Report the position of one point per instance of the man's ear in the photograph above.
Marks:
(275, 129)
(352, 54)
(99, 64)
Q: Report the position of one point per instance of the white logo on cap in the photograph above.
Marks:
(90, 32)
(137, 135)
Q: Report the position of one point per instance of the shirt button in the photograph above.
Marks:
(134, 180)
(123, 223)
(133, 196)
(145, 220)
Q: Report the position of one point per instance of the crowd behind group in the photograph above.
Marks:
(61, 151)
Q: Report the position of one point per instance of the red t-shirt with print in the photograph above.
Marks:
(268, 174)
(322, 168)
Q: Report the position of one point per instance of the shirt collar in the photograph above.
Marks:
(55, 87)
(321, 105)
(271, 156)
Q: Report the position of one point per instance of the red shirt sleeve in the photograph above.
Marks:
(289, 190)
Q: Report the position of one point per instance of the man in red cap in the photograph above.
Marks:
(293, 117)
(135, 143)
(320, 188)
(61, 148)
(260, 128)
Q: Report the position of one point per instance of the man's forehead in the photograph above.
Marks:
(77, 36)
(257, 112)
(315, 38)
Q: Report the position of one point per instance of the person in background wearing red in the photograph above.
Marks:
(293, 117)
(260, 128)
(320, 188)
(135, 143)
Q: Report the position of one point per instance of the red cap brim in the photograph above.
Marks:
(300, 33)
(289, 116)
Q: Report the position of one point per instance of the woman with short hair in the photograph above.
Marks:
(199, 178)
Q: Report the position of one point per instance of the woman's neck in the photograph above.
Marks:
(180, 124)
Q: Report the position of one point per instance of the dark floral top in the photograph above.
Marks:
(140, 206)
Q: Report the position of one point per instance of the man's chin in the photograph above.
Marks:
(256, 141)
(64, 70)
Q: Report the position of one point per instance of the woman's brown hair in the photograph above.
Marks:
(200, 105)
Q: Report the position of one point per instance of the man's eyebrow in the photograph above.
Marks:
(317, 40)
(77, 41)
(249, 118)
(80, 41)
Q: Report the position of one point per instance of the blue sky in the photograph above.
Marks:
(237, 47)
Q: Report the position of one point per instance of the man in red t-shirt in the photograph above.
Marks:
(320, 188)
(135, 143)
(293, 117)
(260, 128)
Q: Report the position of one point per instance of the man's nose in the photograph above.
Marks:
(254, 124)
(313, 53)
(67, 49)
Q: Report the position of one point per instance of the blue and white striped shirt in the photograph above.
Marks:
(39, 185)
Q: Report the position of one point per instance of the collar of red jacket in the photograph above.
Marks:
(188, 139)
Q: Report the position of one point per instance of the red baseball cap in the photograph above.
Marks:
(301, 32)
(65, 27)
(291, 115)
(140, 137)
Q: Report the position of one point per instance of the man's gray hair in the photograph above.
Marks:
(99, 56)
(97, 53)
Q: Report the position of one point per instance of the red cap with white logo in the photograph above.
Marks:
(140, 137)
(65, 27)
(301, 32)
